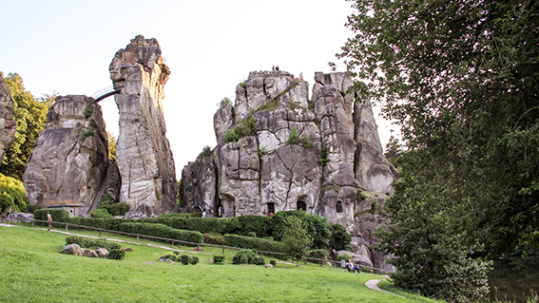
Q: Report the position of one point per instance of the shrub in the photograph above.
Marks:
(88, 112)
(13, 188)
(194, 260)
(318, 253)
(185, 259)
(245, 256)
(57, 215)
(218, 259)
(5, 202)
(92, 243)
(212, 238)
(323, 156)
(339, 237)
(31, 208)
(163, 231)
(113, 208)
(225, 101)
(273, 262)
(86, 134)
(251, 234)
(294, 137)
(252, 243)
(262, 151)
(206, 151)
(176, 253)
(100, 213)
(116, 254)
(306, 142)
(318, 228)
(261, 225)
(231, 136)
(258, 261)
(170, 256)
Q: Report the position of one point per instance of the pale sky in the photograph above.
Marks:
(209, 45)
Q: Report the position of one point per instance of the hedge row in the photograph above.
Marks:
(253, 243)
(57, 215)
(163, 231)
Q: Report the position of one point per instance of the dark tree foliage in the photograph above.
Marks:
(461, 79)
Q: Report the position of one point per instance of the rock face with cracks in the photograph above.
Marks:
(279, 150)
(7, 119)
(144, 158)
(70, 159)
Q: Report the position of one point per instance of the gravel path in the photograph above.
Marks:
(373, 284)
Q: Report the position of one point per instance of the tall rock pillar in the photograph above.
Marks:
(143, 151)
(70, 159)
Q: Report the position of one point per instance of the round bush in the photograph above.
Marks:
(258, 261)
(240, 259)
(194, 260)
(218, 259)
(251, 234)
(273, 262)
(116, 254)
(101, 213)
(185, 259)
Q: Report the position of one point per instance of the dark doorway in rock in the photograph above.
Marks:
(271, 207)
(301, 205)
(339, 207)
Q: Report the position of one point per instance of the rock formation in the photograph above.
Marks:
(70, 159)
(279, 150)
(144, 158)
(7, 120)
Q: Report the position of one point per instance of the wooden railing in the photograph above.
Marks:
(198, 245)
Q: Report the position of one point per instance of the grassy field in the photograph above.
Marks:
(32, 270)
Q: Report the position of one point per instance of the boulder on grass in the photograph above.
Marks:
(127, 249)
(102, 253)
(72, 249)
(269, 266)
(90, 253)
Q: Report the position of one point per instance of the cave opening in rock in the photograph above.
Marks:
(301, 205)
(271, 207)
(339, 207)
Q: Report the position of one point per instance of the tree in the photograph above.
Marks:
(30, 116)
(296, 241)
(460, 78)
(112, 146)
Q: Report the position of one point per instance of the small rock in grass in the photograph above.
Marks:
(269, 266)
(72, 249)
(102, 253)
(161, 259)
(127, 249)
(169, 261)
(148, 262)
(90, 253)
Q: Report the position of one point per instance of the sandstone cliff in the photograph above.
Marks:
(144, 158)
(70, 160)
(7, 119)
(279, 150)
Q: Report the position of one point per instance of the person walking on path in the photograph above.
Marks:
(49, 220)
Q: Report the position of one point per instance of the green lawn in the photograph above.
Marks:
(32, 270)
